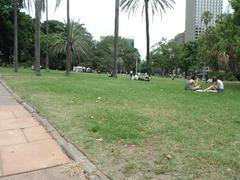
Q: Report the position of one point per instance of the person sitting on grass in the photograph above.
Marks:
(192, 84)
(197, 85)
(189, 83)
(217, 86)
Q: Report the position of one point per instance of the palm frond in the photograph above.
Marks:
(58, 2)
(27, 4)
(57, 44)
(80, 40)
(157, 6)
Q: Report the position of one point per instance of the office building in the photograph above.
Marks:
(194, 11)
(179, 39)
(130, 42)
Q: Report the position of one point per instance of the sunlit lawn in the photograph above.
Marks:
(140, 130)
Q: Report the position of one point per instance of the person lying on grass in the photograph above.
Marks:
(136, 77)
(217, 86)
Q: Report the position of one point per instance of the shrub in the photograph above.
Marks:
(227, 76)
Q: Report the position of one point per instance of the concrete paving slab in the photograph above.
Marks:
(11, 108)
(31, 156)
(34, 158)
(0, 166)
(4, 92)
(6, 97)
(36, 134)
(55, 173)
(21, 113)
(8, 100)
(6, 115)
(19, 123)
(2, 89)
(11, 137)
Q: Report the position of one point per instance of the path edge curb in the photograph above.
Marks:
(71, 150)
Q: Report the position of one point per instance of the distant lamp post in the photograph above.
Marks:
(120, 61)
(204, 71)
(136, 65)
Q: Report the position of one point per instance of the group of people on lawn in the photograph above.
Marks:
(137, 77)
(194, 85)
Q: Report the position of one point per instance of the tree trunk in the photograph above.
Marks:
(47, 44)
(37, 36)
(116, 40)
(147, 38)
(68, 65)
(15, 36)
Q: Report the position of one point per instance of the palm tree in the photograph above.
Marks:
(68, 65)
(116, 42)
(68, 42)
(26, 4)
(79, 40)
(206, 18)
(15, 36)
(159, 6)
(47, 44)
(39, 7)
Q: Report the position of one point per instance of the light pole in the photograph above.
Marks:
(136, 65)
(204, 71)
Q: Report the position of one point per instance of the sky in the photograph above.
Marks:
(98, 17)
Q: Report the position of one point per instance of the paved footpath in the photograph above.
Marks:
(25, 146)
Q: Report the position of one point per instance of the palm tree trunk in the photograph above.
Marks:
(68, 42)
(147, 38)
(15, 36)
(116, 40)
(47, 44)
(37, 36)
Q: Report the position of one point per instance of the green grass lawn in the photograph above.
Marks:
(140, 130)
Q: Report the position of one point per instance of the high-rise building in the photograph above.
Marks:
(179, 39)
(130, 42)
(194, 10)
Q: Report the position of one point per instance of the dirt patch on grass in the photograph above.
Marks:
(129, 161)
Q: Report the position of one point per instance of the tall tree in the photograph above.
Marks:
(15, 35)
(116, 41)
(103, 53)
(80, 41)
(206, 18)
(236, 14)
(16, 6)
(47, 44)
(68, 42)
(160, 6)
(39, 7)
(68, 64)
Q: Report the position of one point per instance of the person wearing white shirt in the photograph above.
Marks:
(217, 86)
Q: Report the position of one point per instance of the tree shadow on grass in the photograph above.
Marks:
(237, 122)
